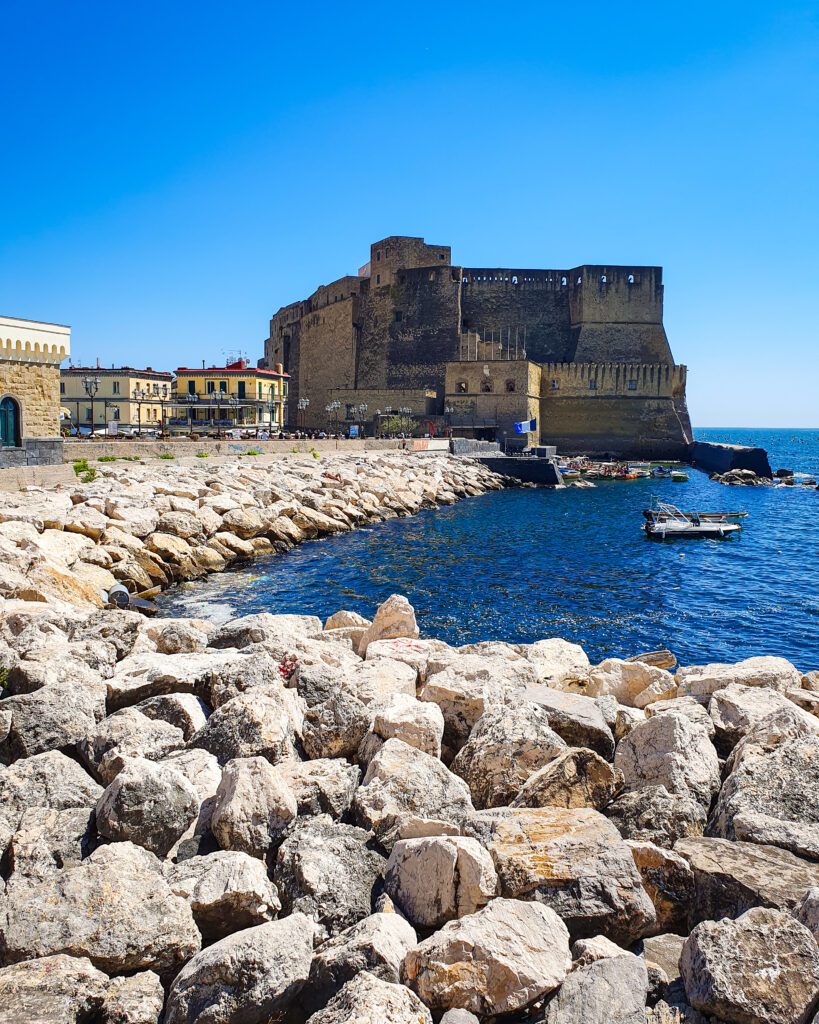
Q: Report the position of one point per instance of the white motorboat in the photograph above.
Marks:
(667, 521)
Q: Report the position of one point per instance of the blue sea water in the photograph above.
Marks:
(521, 565)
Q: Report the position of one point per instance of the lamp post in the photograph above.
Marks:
(332, 410)
(448, 411)
(233, 409)
(162, 401)
(140, 394)
(92, 386)
(404, 411)
(303, 404)
(271, 406)
(362, 412)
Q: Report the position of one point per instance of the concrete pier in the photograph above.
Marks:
(720, 458)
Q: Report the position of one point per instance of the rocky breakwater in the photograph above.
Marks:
(150, 526)
(281, 820)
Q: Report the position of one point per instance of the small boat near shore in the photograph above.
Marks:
(666, 521)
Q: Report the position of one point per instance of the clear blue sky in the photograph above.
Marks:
(172, 173)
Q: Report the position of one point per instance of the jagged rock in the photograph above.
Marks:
(730, 878)
(505, 747)
(180, 636)
(806, 911)
(664, 951)
(49, 780)
(413, 652)
(470, 684)
(402, 781)
(244, 522)
(342, 619)
(459, 1017)
(688, 707)
(145, 926)
(367, 999)
(51, 990)
(669, 751)
(48, 840)
(52, 717)
(627, 719)
(324, 786)
(148, 804)
(654, 815)
(183, 710)
(376, 944)
(179, 524)
(574, 861)
(702, 680)
(436, 879)
(805, 699)
(202, 770)
(810, 681)
(327, 871)
(124, 735)
(403, 717)
(612, 990)
(557, 661)
(137, 999)
(763, 798)
(499, 960)
(252, 808)
(762, 967)
(336, 727)
(632, 682)
(264, 627)
(578, 720)
(249, 725)
(734, 710)
(575, 778)
(394, 618)
(248, 977)
(669, 881)
(589, 951)
(227, 891)
(373, 681)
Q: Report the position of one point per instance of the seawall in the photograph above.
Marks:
(720, 458)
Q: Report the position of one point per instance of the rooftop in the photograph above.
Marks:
(119, 371)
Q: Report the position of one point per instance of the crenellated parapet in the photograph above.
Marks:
(30, 341)
(605, 379)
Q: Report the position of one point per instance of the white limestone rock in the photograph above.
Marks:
(703, 680)
(499, 960)
(652, 814)
(735, 709)
(578, 720)
(55, 989)
(373, 681)
(402, 717)
(252, 808)
(367, 999)
(254, 724)
(125, 735)
(183, 710)
(49, 840)
(669, 881)
(612, 989)
(137, 999)
(394, 618)
(558, 661)
(577, 777)
(434, 880)
(323, 786)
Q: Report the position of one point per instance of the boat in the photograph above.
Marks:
(661, 473)
(678, 476)
(638, 470)
(667, 521)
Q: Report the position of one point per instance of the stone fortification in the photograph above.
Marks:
(411, 313)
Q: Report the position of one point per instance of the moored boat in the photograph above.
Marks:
(667, 521)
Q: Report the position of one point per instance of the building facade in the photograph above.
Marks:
(133, 399)
(30, 357)
(410, 312)
(234, 395)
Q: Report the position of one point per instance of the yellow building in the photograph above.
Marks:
(230, 396)
(30, 357)
(136, 400)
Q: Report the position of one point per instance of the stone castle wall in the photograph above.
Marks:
(36, 386)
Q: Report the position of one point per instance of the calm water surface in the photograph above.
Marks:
(521, 565)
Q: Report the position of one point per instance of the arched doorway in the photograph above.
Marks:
(9, 423)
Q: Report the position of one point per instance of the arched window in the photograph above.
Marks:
(510, 386)
(9, 423)
(486, 387)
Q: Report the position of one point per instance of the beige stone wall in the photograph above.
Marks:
(36, 386)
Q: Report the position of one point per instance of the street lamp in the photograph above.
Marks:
(362, 411)
(303, 404)
(332, 410)
(92, 386)
(403, 412)
(271, 406)
(448, 411)
(140, 394)
(162, 402)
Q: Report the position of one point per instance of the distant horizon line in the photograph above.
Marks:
(756, 428)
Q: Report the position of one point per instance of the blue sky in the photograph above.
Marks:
(172, 173)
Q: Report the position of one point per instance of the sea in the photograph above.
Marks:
(524, 564)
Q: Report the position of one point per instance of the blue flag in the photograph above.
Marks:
(526, 426)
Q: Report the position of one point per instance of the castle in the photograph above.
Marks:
(474, 350)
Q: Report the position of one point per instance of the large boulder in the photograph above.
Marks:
(763, 798)
(47, 840)
(249, 725)
(56, 989)
(612, 990)
(227, 891)
(323, 786)
(577, 719)
(558, 661)
(703, 680)
(52, 717)
(730, 878)
(577, 777)
(149, 804)
(394, 618)
(137, 999)
(335, 727)
(762, 967)
(438, 878)
(670, 751)
(249, 977)
(402, 782)
(140, 925)
(737, 708)
(633, 683)
(507, 744)
(669, 881)
(654, 815)
(377, 944)
(417, 723)
(688, 707)
(499, 960)
(327, 871)
(572, 860)
(124, 735)
(367, 999)
(373, 681)
(183, 710)
(252, 808)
